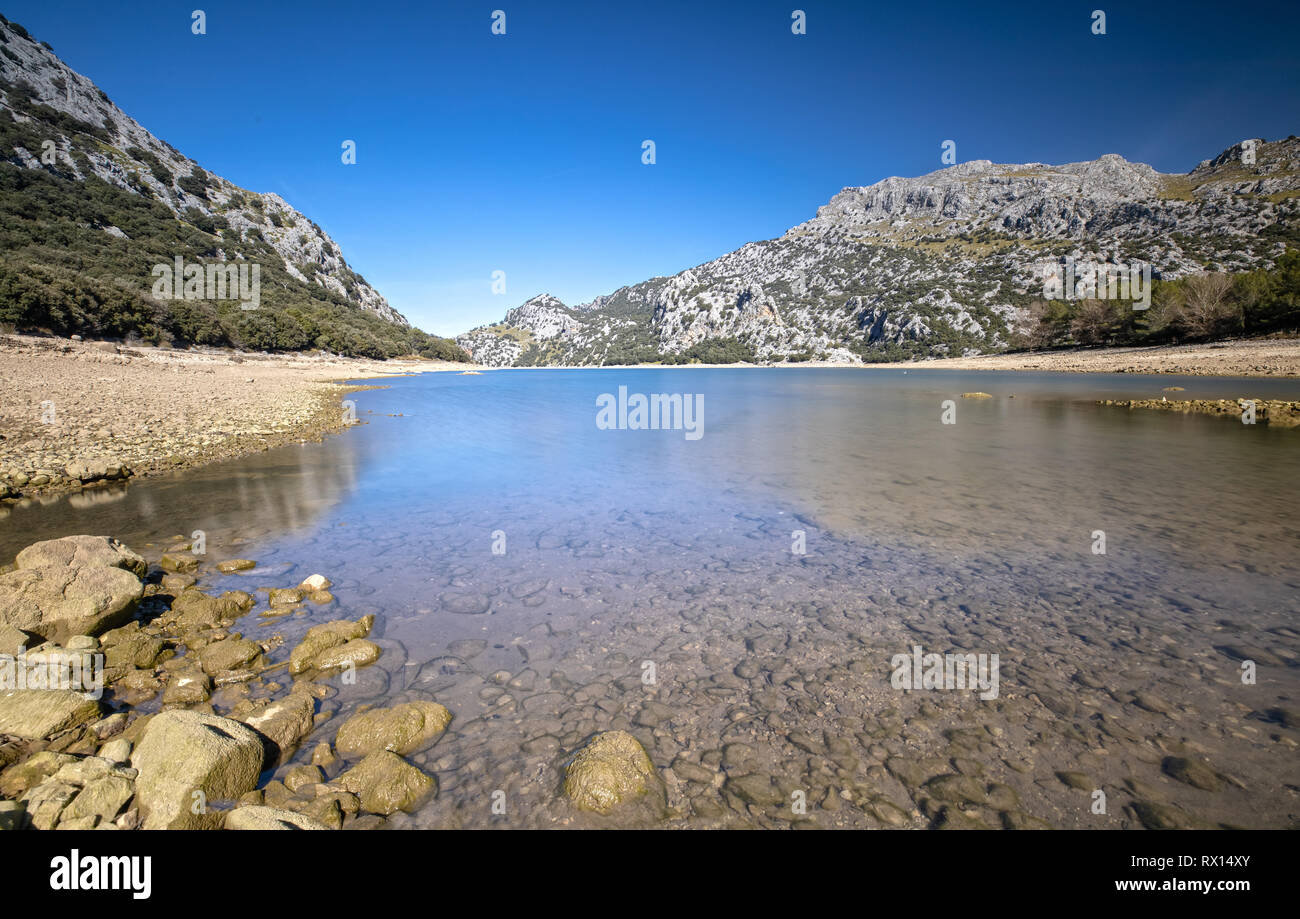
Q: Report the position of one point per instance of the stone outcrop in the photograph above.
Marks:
(82, 551)
(284, 722)
(38, 713)
(333, 636)
(1278, 413)
(59, 601)
(270, 818)
(188, 760)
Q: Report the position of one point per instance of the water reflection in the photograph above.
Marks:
(863, 453)
(278, 492)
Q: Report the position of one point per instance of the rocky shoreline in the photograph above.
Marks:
(1267, 357)
(1278, 413)
(142, 744)
(270, 708)
(80, 415)
(1270, 357)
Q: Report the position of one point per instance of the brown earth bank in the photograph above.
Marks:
(75, 414)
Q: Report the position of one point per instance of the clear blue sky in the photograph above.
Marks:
(522, 152)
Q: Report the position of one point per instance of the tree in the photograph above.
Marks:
(1208, 308)
(1047, 322)
(1095, 321)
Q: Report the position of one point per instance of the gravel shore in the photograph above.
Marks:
(78, 413)
(1274, 357)
(1257, 358)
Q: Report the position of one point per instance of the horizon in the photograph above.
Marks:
(535, 168)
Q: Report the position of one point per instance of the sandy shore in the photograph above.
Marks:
(110, 411)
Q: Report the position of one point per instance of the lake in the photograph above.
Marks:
(738, 599)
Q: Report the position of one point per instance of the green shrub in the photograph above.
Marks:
(196, 183)
(61, 273)
(714, 351)
(156, 167)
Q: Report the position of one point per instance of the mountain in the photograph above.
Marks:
(90, 202)
(944, 264)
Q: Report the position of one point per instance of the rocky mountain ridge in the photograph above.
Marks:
(938, 265)
(91, 201)
(129, 156)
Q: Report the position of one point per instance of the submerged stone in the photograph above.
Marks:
(610, 769)
(403, 729)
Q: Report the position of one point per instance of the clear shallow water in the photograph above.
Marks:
(629, 546)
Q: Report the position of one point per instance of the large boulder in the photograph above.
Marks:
(403, 729)
(356, 653)
(84, 793)
(14, 641)
(22, 777)
(184, 752)
(103, 798)
(106, 787)
(613, 767)
(138, 650)
(82, 552)
(178, 562)
(322, 638)
(59, 601)
(257, 817)
(187, 686)
(47, 801)
(233, 653)
(35, 714)
(284, 722)
(194, 609)
(385, 783)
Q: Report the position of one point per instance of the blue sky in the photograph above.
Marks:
(522, 152)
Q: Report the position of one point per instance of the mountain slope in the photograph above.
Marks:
(90, 201)
(943, 264)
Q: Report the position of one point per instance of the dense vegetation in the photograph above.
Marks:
(62, 271)
(713, 351)
(1201, 307)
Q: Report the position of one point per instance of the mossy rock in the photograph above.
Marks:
(612, 768)
(321, 638)
(82, 551)
(1192, 772)
(402, 729)
(386, 783)
(270, 818)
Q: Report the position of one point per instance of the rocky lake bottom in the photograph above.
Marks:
(638, 587)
